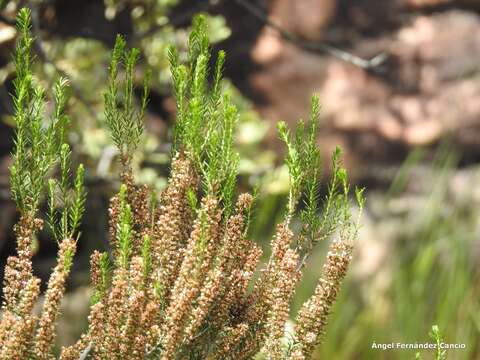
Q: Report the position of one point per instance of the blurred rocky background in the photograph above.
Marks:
(399, 82)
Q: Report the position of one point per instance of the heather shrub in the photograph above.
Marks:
(182, 280)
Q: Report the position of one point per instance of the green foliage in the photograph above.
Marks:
(68, 260)
(304, 163)
(36, 146)
(125, 229)
(123, 120)
(39, 147)
(205, 119)
(66, 199)
(78, 204)
(335, 211)
(221, 158)
(303, 160)
(294, 163)
(105, 278)
(441, 354)
(192, 199)
(310, 157)
(64, 187)
(201, 244)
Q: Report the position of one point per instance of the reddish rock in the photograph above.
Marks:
(427, 88)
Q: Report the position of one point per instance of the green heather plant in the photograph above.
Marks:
(182, 279)
(440, 352)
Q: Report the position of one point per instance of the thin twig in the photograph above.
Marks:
(310, 46)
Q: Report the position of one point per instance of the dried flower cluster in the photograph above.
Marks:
(182, 279)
